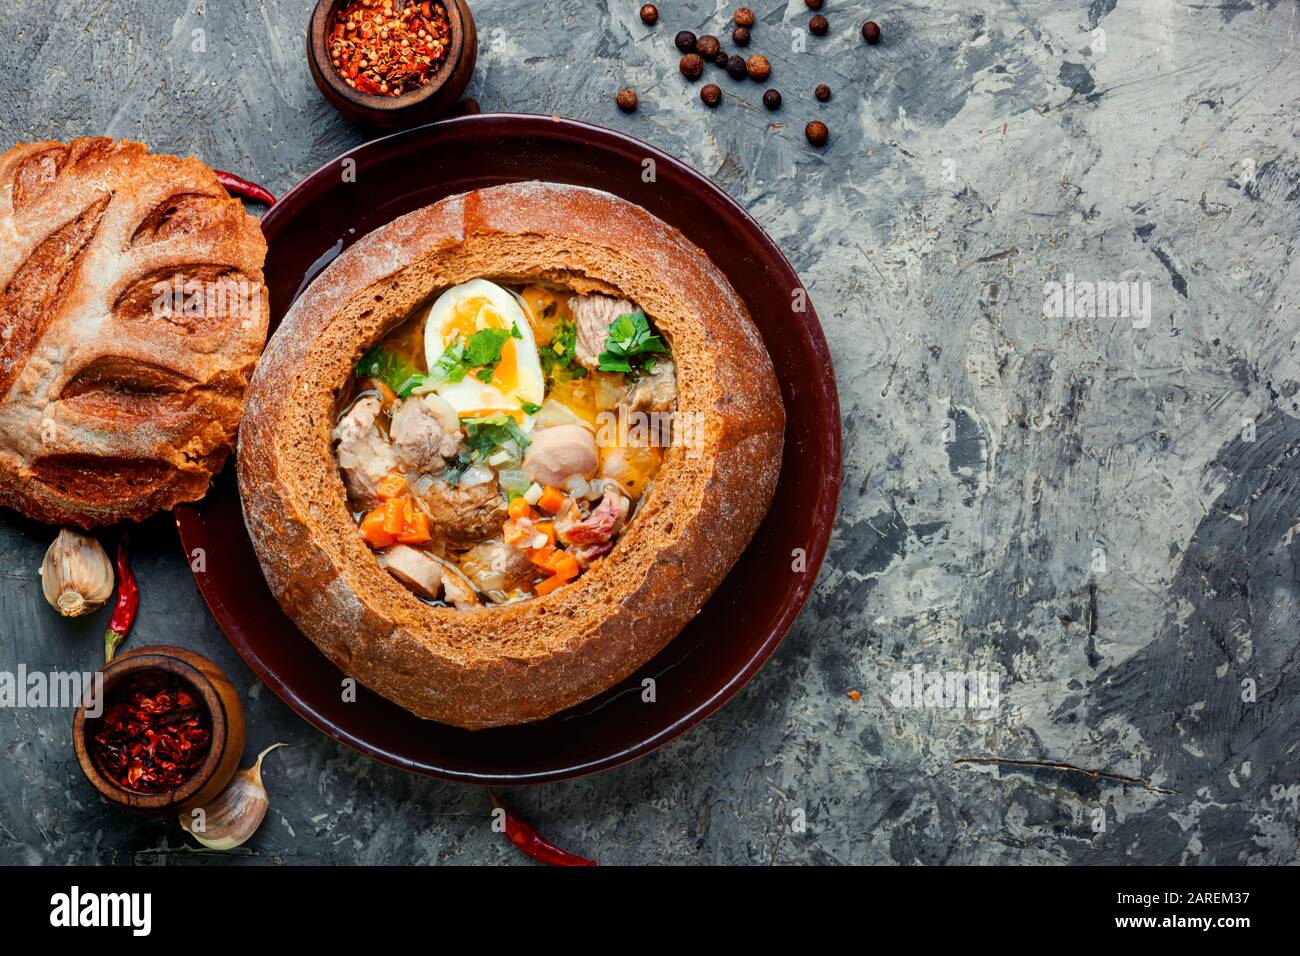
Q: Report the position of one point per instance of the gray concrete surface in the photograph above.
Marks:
(1099, 516)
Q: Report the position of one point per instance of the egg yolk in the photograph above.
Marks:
(473, 314)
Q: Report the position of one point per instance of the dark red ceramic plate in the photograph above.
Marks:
(752, 610)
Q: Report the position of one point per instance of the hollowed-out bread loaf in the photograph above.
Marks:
(131, 312)
(519, 662)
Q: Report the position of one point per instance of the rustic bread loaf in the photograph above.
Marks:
(132, 312)
(524, 661)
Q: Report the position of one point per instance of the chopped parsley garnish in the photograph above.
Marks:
(480, 351)
(391, 369)
(629, 345)
(562, 351)
(530, 408)
(483, 436)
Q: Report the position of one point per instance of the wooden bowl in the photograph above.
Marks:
(222, 701)
(436, 97)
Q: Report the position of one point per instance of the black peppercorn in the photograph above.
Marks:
(813, 4)
(707, 46)
(758, 68)
(823, 92)
(711, 94)
(691, 66)
(740, 36)
(744, 17)
(871, 31)
(816, 132)
(626, 100)
(819, 25)
(736, 67)
(685, 41)
(772, 99)
(649, 14)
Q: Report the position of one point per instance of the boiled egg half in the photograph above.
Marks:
(515, 381)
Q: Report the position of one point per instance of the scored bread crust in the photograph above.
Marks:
(520, 662)
(120, 387)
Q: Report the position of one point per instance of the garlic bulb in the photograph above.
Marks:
(77, 576)
(235, 814)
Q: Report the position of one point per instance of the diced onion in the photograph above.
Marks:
(499, 457)
(533, 494)
(513, 480)
(577, 486)
(475, 475)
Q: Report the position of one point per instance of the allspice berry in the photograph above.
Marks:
(691, 66)
(772, 99)
(711, 94)
(813, 4)
(708, 46)
(626, 100)
(816, 132)
(740, 36)
(758, 67)
(823, 92)
(649, 14)
(736, 67)
(685, 41)
(721, 58)
(871, 31)
(744, 17)
(819, 25)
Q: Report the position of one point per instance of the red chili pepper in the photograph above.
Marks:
(128, 600)
(242, 187)
(531, 843)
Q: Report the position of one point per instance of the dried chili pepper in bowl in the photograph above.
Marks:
(163, 732)
(392, 63)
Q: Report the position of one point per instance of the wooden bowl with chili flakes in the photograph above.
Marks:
(392, 63)
(166, 735)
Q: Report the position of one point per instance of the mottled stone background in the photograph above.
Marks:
(1072, 505)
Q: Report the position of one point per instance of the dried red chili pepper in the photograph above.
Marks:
(532, 844)
(386, 48)
(128, 601)
(238, 186)
(154, 734)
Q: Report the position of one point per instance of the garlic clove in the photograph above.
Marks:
(76, 575)
(235, 814)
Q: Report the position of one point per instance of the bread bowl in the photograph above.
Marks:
(530, 657)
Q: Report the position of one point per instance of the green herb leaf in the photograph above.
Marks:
(530, 408)
(559, 355)
(630, 345)
(391, 369)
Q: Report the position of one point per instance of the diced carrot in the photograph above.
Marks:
(392, 485)
(548, 585)
(394, 515)
(416, 529)
(372, 529)
(520, 508)
(539, 556)
(547, 528)
(552, 499)
(517, 531)
(564, 566)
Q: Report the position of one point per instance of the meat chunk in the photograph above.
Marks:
(559, 453)
(593, 536)
(657, 391)
(425, 431)
(364, 455)
(458, 591)
(415, 569)
(496, 566)
(592, 316)
(464, 516)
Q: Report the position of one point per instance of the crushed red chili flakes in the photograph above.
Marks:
(154, 733)
(388, 47)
